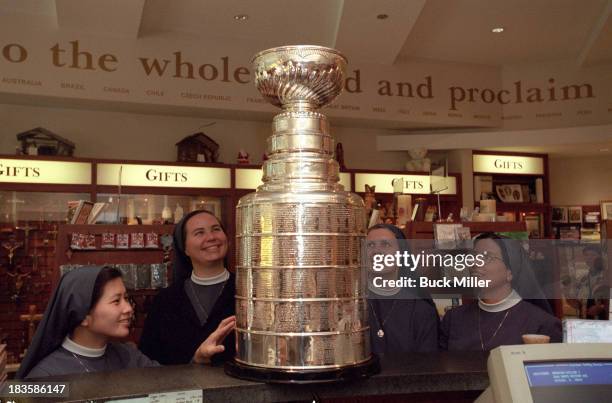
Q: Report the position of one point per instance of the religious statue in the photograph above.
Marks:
(243, 157)
(340, 156)
(417, 161)
(369, 199)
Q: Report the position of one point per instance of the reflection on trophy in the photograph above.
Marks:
(300, 303)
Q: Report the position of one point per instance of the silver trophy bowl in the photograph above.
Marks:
(299, 76)
(301, 314)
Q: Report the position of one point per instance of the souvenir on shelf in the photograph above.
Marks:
(197, 147)
(75, 241)
(510, 193)
(129, 275)
(143, 276)
(40, 141)
(430, 214)
(243, 157)
(108, 240)
(151, 240)
(90, 241)
(82, 241)
(137, 240)
(123, 241)
(159, 275)
(78, 211)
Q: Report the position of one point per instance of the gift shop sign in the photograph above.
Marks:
(163, 176)
(412, 184)
(47, 172)
(507, 164)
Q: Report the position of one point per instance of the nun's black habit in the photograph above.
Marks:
(479, 326)
(408, 322)
(49, 354)
(175, 327)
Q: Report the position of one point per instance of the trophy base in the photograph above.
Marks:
(270, 375)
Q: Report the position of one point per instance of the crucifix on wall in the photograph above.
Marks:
(32, 318)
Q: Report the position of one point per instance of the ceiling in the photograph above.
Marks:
(440, 30)
(382, 31)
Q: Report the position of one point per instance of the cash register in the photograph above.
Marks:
(549, 373)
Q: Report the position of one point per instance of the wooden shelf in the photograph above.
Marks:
(424, 229)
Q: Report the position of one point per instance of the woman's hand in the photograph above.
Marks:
(214, 343)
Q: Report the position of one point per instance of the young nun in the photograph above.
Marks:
(401, 319)
(199, 305)
(88, 309)
(500, 316)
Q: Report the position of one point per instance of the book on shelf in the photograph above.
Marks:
(95, 212)
(572, 232)
(452, 236)
(590, 235)
(78, 211)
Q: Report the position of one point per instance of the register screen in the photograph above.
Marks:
(569, 381)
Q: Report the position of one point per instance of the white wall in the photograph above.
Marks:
(580, 181)
(133, 136)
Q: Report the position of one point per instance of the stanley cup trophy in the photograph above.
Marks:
(301, 312)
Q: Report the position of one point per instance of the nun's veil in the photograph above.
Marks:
(67, 308)
(515, 258)
(421, 293)
(181, 264)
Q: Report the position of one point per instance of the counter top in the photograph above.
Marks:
(401, 374)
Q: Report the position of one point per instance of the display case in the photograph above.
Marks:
(519, 184)
(416, 185)
(576, 222)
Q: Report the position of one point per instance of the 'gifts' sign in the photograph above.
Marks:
(163, 176)
(508, 164)
(49, 172)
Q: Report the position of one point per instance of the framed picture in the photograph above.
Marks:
(534, 224)
(574, 214)
(606, 210)
(559, 214)
(509, 193)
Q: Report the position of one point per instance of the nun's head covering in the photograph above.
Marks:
(516, 260)
(68, 306)
(181, 265)
(403, 246)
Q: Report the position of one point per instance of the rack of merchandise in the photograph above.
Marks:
(576, 222)
(417, 185)
(425, 230)
(141, 252)
(519, 184)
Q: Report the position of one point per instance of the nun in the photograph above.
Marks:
(196, 312)
(501, 315)
(401, 319)
(88, 309)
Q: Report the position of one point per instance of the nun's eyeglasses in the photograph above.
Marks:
(381, 244)
(488, 258)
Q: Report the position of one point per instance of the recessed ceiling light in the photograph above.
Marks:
(497, 30)
(241, 17)
(382, 16)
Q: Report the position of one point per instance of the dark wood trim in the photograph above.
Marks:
(174, 191)
(509, 153)
(44, 187)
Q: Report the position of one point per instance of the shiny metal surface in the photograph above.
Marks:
(299, 288)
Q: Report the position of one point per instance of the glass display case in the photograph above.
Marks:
(151, 209)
